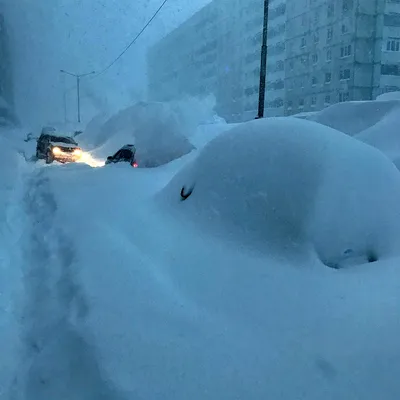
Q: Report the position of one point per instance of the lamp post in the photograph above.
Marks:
(78, 83)
(263, 63)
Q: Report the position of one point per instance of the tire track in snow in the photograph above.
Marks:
(57, 362)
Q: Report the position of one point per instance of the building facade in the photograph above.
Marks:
(218, 51)
(320, 52)
(340, 50)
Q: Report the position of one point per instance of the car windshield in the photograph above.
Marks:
(62, 139)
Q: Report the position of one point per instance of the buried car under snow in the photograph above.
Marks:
(52, 147)
(125, 154)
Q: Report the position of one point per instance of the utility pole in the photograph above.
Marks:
(78, 83)
(263, 63)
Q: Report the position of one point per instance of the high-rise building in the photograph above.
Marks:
(340, 50)
(218, 51)
(320, 52)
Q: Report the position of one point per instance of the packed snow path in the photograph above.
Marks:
(57, 363)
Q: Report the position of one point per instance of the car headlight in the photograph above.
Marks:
(56, 150)
(77, 152)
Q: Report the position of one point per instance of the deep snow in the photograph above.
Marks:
(152, 297)
(373, 122)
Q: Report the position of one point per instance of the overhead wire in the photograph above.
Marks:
(133, 41)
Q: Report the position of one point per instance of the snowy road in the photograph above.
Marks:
(57, 361)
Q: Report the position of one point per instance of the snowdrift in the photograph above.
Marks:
(174, 314)
(152, 127)
(12, 166)
(354, 117)
(281, 184)
(373, 122)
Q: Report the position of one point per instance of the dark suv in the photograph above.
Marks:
(125, 154)
(51, 147)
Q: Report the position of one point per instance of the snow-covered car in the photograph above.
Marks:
(124, 154)
(52, 147)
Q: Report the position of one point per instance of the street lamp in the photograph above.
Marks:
(263, 63)
(78, 81)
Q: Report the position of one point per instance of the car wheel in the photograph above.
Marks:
(49, 158)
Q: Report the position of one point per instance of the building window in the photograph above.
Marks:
(327, 99)
(345, 51)
(393, 44)
(390, 69)
(316, 37)
(303, 42)
(329, 55)
(313, 101)
(392, 19)
(344, 96)
(314, 81)
(304, 60)
(291, 65)
(301, 103)
(315, 58)
(387, 89)
(345, 29)
(347, 6)
(344, 74)
(328, 77)
(316, 16)
(330, 12)
(329, 34)
(289, 104)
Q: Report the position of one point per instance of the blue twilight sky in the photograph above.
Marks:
(81, 36)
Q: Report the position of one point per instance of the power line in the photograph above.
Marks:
(132, 42)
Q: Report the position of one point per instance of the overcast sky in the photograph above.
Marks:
(81, 36)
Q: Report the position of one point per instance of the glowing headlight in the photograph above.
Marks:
(77, 152)
(56, 150)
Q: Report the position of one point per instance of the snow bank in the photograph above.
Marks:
(12, 166)
(389, 96)
(354, 117)
(174, 314)
(152, 127)
(279, 184)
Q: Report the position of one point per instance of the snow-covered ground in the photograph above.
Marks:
(120, 288)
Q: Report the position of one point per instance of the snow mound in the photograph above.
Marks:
(283, 184)
(388, 96)
(354, 117)
(152, 127)
(12, 166)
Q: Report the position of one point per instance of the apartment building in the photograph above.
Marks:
(340, 50)
(218, 51)
(390, 47)
(198, 58)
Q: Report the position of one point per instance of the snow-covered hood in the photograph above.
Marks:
(61, 144)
